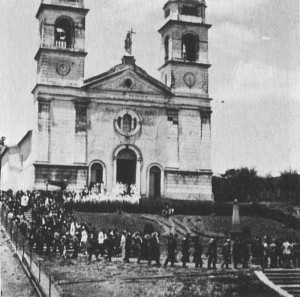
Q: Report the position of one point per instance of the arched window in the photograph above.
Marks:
(96, 177)
(64, 33)
(127, 121)
(190, 47)
(167, 48)
(155, 182)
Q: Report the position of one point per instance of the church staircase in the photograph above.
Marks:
(191, 225)
(285, 281)
(28, 215)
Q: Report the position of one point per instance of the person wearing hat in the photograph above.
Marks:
(101, 239)
(226, 254)
(145, 246)
(92, 245)
(75, 243)
(172, 248)
(83, 240)
(122, 244)
(48, 240)
(109, 243)
(198, 252)
(185, 250)
(128, 243)
(212, 254)
(154, 249)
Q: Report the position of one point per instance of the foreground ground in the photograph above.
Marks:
(14, 282)
(76, 278)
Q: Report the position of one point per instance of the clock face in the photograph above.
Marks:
(63, 68)
(189, 79)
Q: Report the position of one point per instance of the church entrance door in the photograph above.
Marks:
(154, 182)
(126, 167)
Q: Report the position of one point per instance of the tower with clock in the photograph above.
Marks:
(60, 57)
(185, 41)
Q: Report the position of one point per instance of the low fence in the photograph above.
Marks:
(32, 264)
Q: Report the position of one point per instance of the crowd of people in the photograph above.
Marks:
(54, 230)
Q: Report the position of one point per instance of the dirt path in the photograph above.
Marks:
(14, 282)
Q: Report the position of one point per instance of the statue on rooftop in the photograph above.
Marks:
(128, 42)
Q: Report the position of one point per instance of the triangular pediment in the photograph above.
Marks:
(127, 80)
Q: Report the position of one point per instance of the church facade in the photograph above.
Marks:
(122, 125)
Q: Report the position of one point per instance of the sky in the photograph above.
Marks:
(254, 79)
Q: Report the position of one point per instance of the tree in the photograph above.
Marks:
(241, 184)
(289, 183)
(2, 144)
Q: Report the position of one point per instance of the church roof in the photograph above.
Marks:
(127, 66)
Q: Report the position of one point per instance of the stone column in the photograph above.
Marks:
(205, 145)
(115, 172)
(43, 153)
(236, 228)
(236, 216)
(80, 155)
(138, 174)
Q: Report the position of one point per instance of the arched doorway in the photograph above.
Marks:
(155, 182)
(126, 167)
(96, 175)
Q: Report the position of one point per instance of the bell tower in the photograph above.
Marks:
(61, 54)
(185, 42)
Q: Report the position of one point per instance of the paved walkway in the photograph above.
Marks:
(14, 281)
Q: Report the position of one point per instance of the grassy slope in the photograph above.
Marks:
(258, 226)
(111, 221)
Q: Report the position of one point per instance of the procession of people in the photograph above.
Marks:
(55, 231)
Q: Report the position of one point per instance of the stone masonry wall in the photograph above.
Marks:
(190, 140)
(62, 132)
(43, 132)
(188, 185)
(47, 70)
(75, 177)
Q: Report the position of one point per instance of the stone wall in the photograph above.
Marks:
(62, 132)
(47, 69)
(10, 169)
(188, 185)
(74, 176)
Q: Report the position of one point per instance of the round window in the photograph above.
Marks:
(128, 83)
(127, 123)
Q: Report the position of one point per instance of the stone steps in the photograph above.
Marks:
(28, 215)
(286, 279)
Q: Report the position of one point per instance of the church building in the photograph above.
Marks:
(121, 126)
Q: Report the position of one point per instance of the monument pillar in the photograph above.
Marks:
(236, 223)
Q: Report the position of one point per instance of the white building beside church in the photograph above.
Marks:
(122, 125)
